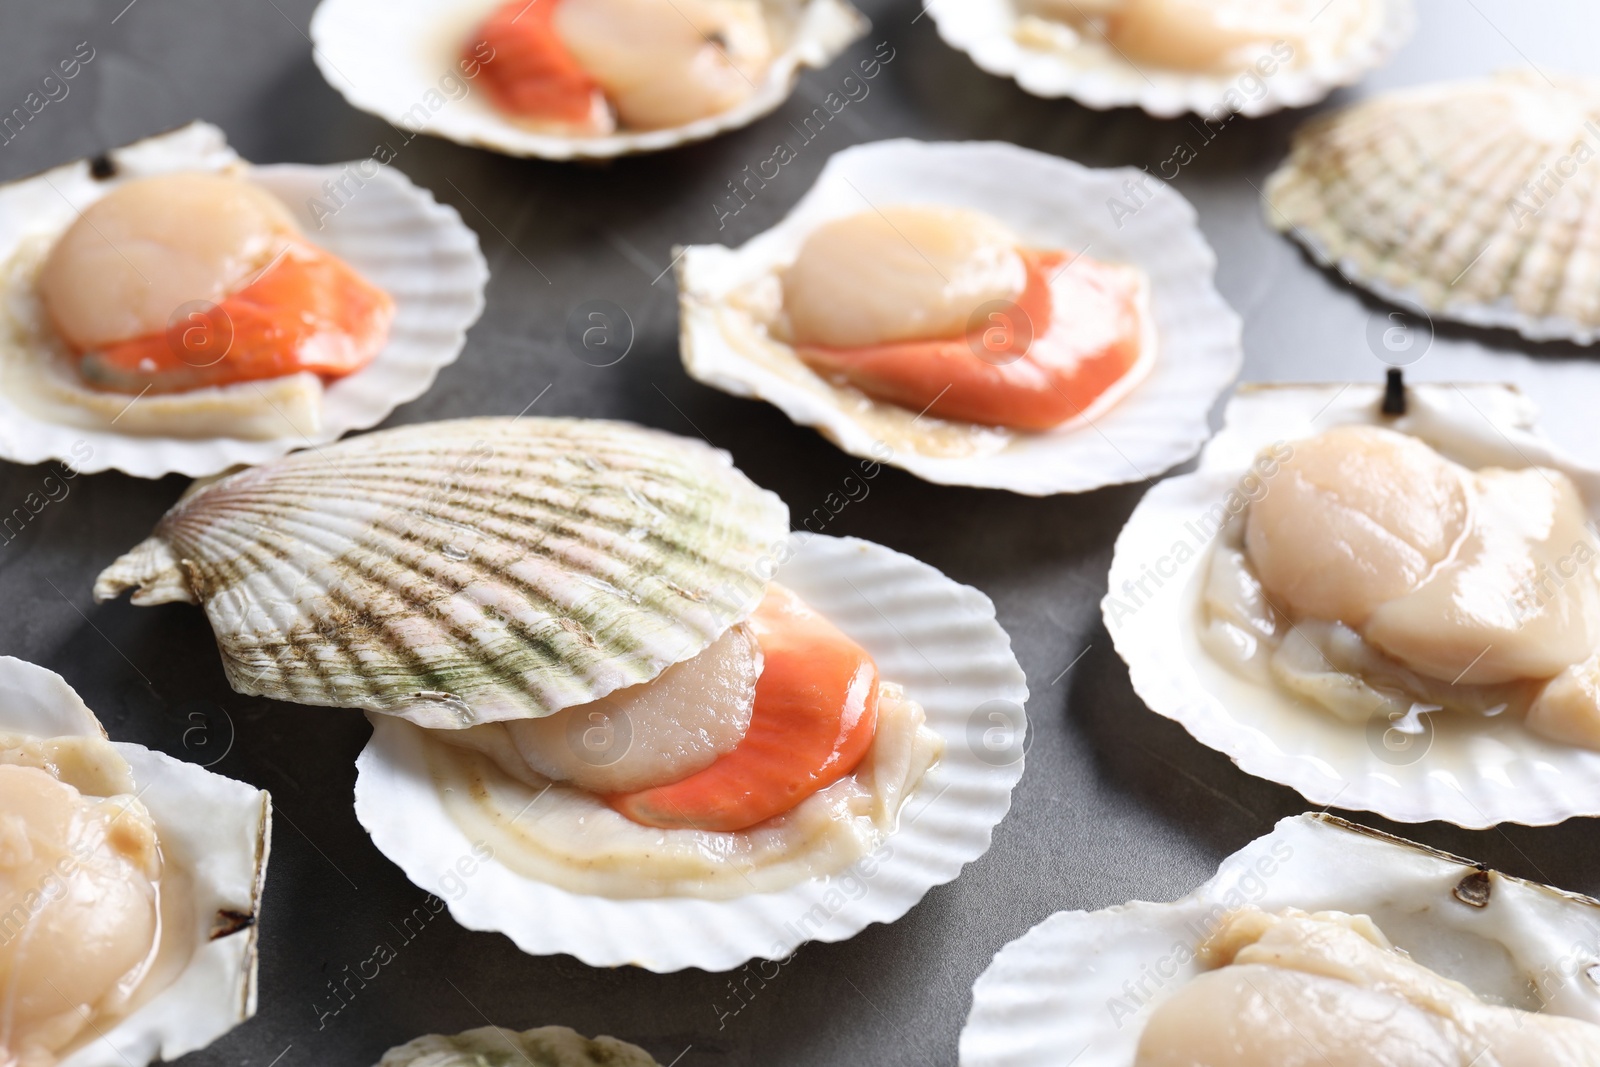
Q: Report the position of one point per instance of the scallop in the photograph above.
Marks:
(1473, 201)
(129, 886)
(905, 273)
(1324, 943)
(546, 1046)
(1216, 58)
(463, 572)
(654, 732)
(663, 72)
(1400, 611)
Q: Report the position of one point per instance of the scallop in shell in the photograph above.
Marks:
(462, 572)
(1405, 757)
(1246, 57)
(1475, 201)
(558, 871)
(393, 233)
(545, 1046)
(404, 62)
(1511, 943)
(158, 861)
(1150, 419)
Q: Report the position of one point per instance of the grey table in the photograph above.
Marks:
(1116, 803)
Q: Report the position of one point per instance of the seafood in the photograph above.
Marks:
(1472, 201)
(1322, 942)
(492, 1046)
(930, 306)
(129, 884)
(167, 307)
(1363, 601)
(1213, 58)
(576, 79)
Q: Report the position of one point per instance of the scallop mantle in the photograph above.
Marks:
(468, 571)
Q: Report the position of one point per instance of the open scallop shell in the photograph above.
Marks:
(1050, 203)
(1473, 772)
(1476, 201)
(546, 1046)
(1353, 39)
(398, 59)
(937, 638)
(1061, 992)
(217, 830)
(461, 572)
(393, 232)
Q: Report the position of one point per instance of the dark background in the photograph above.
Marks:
(1116, 803)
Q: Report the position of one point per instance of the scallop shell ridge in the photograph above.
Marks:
(1475, 201)
(467, 571)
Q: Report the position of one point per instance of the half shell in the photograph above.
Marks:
(1050, 203)
(1512, 942)
(1476, 201)
(1052, 59)
(935, 637)
(214, 829)
(495, 1046)
(461, 572)
(1465, 770)
(391, 231)
(398, 60)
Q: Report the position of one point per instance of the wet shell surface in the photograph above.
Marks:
(1049, 58)
(461, 572)
(1473, 772)
(935, 637)
(388, 229)
(1475, 201)
(398, 59)
(495, 1046)
(1049, 203)
(217, 831)
(1512, 942)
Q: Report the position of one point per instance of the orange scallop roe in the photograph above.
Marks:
(532, 74)
(1073, 333)
(307, 311)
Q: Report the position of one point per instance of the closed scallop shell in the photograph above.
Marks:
(1473, 772)
(216, 830)
(937, 638)
(1345, 43)
(1081, 986)
(1475, 201)
(399, 60)
(1138, 429)
(545, 1046)
(469, 571)
(391, 231)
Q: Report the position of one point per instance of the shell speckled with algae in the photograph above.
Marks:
(468, 571)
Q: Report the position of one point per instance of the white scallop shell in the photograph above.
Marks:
(1050, 203)
(555, 1046)
(1473, 772)
(987, 31)
(937, 638)
(218, 830)
(392, 58)
(1476, 201)
(391, 231)
(1058, 994)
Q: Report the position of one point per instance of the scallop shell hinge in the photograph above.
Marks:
(462, 572)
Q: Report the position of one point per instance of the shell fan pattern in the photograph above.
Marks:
(468, 571)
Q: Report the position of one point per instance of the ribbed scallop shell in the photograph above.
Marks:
(1476, 201)
(547, 1046)
(1080, 987)
(461, 572)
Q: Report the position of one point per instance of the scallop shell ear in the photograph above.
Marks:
(463, 572)
(547, 1046)
(1475, 201)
